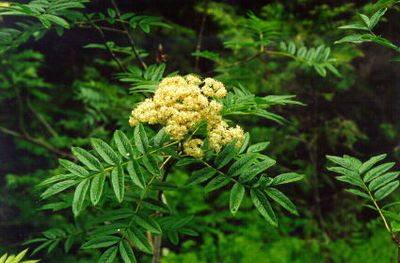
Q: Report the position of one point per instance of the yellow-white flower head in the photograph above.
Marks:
(181, 103)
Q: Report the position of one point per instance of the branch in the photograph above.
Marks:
(200, 35)
(96, 27)
(38, 142)
(41, 119)
(128, 33)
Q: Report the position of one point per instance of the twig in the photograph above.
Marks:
(104, 28)
(96, 27)
(37, 141)
(200, 35)
(128, 33)
(41, 119)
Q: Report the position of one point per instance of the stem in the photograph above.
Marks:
(128, 33)
(96, 27)
(221, 173)
(200, 36)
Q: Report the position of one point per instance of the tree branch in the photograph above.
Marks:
(200, 35)
(128, 33)
(38, 142)
(98, 29)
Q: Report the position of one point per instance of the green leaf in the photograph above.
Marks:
(263, 206)
(359, 193)
(117, 181)
(236, 197)
(356, 38)
(242, 164)
(56, 178)
(79, 196)
(68, 243)
(365, 20)
(344, 162)
(96, 188)
(371, 162)
(19, 257)
(160, 138)
(286, 178)
(333, 70)
(102, 241)
(281, 199)
(258, 147)
(74, 168)
(147, 223)
(57, 20)
(140, 240)
(320, 70)
(141, 140)
(377, 171)
(186, 161)
(135, 172)
(383, 180)
(126, 252)
(354, 26)
(155, 205)
(87, 159)
(201, 175)
(216, 183)
(386, 190)
(45, 244)
(226, 155)
(375, 17)
(255, 169)
(352, 178)
(58, 187)
(109, 255)
(105, 151)
(158, 73)
(123, 144)
(245, 142)
(111, 12)
(151, 164)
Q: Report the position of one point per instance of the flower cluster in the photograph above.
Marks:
(182, 103)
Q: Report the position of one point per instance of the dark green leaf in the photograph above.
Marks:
(201, 175)
(281, 199)
(141, 140)
(371, 162)
(255, 169)
(123, 144)
(96, 188)
(74, 168)
(140, 240)
(173, 236)
(262, 204)
(242, 164)
(117, 181)
(151, 164)
(102, 241)
(58, 187)
(109, 255)
(258, 147)
(375, 17)
(386, 190)
(359, 193)
(105, 151)
(245, 142)
(377, 171)
(226, 155)
(147, 223)
(80, 196)
(286, 178)
(236, 197)
(87, 159)
(383, 180)
(216, 183)
(126, 252)
(135, 172)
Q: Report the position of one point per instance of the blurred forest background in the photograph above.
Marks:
(62, 89)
